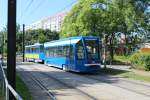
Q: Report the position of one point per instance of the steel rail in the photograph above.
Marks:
(39, 83)
(65, 84)
(116, 85)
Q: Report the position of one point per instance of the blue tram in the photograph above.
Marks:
(35, 53)
(79, 54)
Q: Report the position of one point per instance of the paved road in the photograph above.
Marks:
(65, 85)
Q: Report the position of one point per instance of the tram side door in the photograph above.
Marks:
(80, 54)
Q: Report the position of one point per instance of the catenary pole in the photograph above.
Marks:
(2, 48)
(11, 46)
(23, 40)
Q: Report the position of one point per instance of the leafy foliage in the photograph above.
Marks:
(40, 35)
(105, 18)
(109, 17)
(31, 37)
(140, 60)
(36, 36)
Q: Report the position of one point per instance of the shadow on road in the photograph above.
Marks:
(105, 71)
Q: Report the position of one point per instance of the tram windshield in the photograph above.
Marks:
(92, 49)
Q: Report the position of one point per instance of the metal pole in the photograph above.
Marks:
(104, 56)
(104, 60)
(11, 53)
(23, 41)
(2, 48)
(7, 92)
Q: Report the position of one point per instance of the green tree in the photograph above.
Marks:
(40, 36)
(104, 18)
(31, 37)
(3, 34)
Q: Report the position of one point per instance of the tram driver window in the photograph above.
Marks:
(92, 49)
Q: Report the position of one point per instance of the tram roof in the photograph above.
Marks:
(34, 45)
(67, 41)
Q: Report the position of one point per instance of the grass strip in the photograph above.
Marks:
(125, 74)
(22, 89)
(132, 75)
(1, 95)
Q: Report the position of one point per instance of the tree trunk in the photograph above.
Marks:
(111, 51)
(111, 46)
(126, 45)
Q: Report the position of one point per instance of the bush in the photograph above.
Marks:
(122, 60)
(140, 60)
(147, 62)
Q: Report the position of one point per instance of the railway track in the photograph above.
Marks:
(44, 71)
(97, 78)
(67, 85)
(123, 87)
(40, 84)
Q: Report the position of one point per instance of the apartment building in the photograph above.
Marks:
(53, 23)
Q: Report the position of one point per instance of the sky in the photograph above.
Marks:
(29, 11)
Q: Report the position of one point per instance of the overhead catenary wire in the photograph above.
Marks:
(42, 2)
(67, 6)
(26, 9)
(37, 7)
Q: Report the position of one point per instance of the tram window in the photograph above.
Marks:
(36, 50)
(66, 51)
(71, 52)
(47, 52)
(27, 49)
(92, 49)
(55, 52)
(32, 50)
(51, 52)
(80, 50)
(41, 48)
(59, 51)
